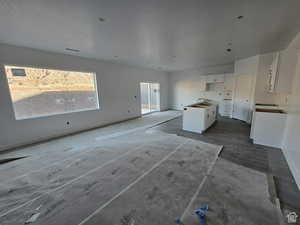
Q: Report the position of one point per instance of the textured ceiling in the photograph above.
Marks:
(162, 34)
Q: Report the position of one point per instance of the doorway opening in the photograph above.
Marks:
(241, 106)
(150, 97)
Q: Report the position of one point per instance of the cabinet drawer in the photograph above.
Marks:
(215, 79)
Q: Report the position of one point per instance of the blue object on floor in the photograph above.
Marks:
(178, 220)
(201, 216)
(204, 208)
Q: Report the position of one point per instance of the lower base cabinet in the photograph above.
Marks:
(198, 117)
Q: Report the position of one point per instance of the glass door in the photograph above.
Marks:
(154, 97)
(145, 98)
(150, 97)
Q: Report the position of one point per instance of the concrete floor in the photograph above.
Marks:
(234, 136)
(235, 195)
(156, 173)
(141, 176)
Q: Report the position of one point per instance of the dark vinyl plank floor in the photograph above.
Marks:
(238, 148)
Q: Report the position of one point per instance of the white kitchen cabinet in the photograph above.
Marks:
(269, 127)
(215, 79)
(225, 108)
(286, 71)
(229, 82)
(227, 95)
(242, 97)
(211, 115)
(198, 117)
(260, 106)
(219, 79)
(202, 85)
(210, 79)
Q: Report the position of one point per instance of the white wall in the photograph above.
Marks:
(291, 140)
(246, 66)
(258, 66)
(117, 86)
(261, 88)
(184, 86)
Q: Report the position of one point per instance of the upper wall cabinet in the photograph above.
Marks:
(229, 83)
(202, 85)
(286, 71)
(215, 79)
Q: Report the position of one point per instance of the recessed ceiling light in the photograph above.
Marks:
(228, 49)
(72, 50)
(240, 17)
(101, 19)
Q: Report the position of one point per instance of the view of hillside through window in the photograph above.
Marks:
(39, 92)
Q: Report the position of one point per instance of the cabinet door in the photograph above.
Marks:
(219, 78)
(210, 79)
(215, 79)
(207, 119)
(228, 82)
(203, 85)
(225, 108)
(286, 71)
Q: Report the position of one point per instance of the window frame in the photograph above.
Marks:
(3, 65)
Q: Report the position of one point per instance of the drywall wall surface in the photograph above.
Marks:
(286, 70)
(261, 89)
(117, 84)
(204, 71)
(261, 86)
(184, 85)
(185, 89)
(291, 140)
(259, 66)
(246, 66)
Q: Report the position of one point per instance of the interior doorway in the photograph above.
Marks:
(242, 107)
(150, 97)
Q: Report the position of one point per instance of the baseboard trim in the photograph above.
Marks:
(50, 138)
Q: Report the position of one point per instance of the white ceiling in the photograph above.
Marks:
(162, 34)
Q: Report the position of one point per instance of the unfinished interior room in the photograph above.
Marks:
(149, 112)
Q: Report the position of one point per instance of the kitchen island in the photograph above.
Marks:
(199, 117)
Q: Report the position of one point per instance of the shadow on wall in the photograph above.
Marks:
(55, 102)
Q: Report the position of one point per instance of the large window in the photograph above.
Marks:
(37, 92)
